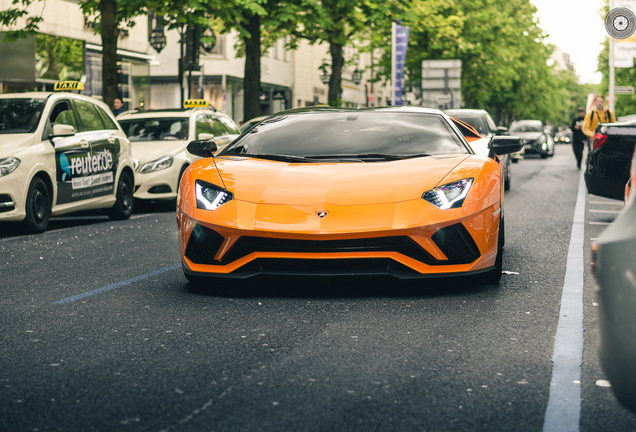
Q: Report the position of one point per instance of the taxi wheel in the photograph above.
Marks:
(38, 206)
(123, 207)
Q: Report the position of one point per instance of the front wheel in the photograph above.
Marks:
(124, 203)
(38, 206)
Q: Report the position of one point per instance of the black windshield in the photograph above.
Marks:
(20, 115)
(356, 134)
(156, 129)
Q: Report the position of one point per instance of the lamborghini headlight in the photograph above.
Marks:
(162, 163)
(450, 195)
(211, 197)
(8, 165)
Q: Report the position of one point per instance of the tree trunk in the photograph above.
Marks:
(252, 76)
(335, 82)
(110, 34)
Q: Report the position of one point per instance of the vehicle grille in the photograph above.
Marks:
(454, 241)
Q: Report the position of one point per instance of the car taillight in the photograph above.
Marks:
(599, 140)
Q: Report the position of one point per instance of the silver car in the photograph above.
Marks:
(614, 265)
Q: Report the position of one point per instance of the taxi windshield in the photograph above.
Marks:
(20, 115)
(155, 129)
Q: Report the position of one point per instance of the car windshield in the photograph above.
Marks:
(156, 129)
(20, 115)
(475, 120)
(526, 127)
(350, 134)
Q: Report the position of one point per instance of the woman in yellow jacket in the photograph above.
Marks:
(599, 114)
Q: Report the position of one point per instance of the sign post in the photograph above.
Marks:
(441, 83)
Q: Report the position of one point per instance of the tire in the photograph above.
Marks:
(544, 155)
(38, 206)
(124, 202)
(492, 277)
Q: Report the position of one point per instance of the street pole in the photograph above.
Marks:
(612, 89)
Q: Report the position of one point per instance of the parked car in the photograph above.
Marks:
(608, 163)
(614, 265)
(534, 137)
(335, 191)
(485, 126)
(61, 152)
(159, 139)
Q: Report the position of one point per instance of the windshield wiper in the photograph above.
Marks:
(360, 157)
(277, 157)
(388, 156)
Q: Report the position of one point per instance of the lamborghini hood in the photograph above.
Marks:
(268, 182)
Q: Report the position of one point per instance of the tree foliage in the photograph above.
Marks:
(505, 61)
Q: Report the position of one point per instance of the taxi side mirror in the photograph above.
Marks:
(202, 148)
(502, 145)
(63, 130)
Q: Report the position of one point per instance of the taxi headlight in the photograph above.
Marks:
(211, 197)
(450, 195)
(8, 165)
(162, 163)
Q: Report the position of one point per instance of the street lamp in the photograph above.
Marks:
(356, 77)
(157, 36)
(325, 76)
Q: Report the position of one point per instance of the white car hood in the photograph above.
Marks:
(12, 144)
(147, 151)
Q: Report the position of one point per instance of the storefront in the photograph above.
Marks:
(37, 62)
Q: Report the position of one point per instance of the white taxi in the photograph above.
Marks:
(61, 152)
(159, 139)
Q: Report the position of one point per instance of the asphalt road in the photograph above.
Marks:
(101, 331)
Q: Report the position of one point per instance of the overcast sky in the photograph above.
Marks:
(577, 27)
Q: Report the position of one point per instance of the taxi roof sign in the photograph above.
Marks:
(68, 85)
(195, 103)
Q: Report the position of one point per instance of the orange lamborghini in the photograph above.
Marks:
(338, 191)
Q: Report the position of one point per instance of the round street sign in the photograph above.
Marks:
(620, 23)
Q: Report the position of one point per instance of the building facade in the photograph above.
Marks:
(67, 48)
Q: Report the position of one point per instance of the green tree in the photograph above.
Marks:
(259, 23)
(110, 16)
(625, 104)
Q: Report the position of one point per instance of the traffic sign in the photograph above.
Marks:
(627, 90)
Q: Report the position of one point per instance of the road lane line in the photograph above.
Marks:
(116, 285)
(564, 403)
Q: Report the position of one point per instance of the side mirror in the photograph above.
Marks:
(502, 145)
(205, 136)
(502, 130)
(202, 148)
(63, 130)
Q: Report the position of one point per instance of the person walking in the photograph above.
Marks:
(598, 114)
(578, 137)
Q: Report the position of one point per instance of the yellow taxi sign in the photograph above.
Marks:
(68, 85)
(195, 103)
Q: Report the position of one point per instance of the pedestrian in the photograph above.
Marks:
(118, 106)
(578, 137)
(598, 114)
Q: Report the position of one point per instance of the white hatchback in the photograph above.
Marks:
(159, 139)
(61, 152)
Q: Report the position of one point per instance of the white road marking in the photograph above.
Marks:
(564, 403)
